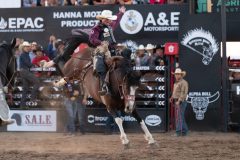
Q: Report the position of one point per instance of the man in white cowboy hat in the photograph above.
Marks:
(102, 34)
(27, 77)
(179, 95)
(140, 54)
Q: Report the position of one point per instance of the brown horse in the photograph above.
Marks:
(123, 87)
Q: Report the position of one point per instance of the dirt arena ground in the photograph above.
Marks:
(55, 146)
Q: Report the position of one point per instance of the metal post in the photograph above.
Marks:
(225, 104)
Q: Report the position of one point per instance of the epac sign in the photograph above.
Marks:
(19, 24)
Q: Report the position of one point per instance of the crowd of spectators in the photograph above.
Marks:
(149, 55)
(46, 3)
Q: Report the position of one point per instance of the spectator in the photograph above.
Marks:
(179, 95)
(29, 3)
(32, 53)
(70, 2)
(140, 2)
(125, 2)
(50, 3)
(149, 49)
(98, 2)
(140, 53)
(119, 48)
(175, 1)
(51, 47)
(157, 1)
(39, 60)
(26, 76)
(110, 1)
(74, 101)
(18, 51)
(159, 57)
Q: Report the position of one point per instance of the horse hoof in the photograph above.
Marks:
(126, 146)
(153, 145)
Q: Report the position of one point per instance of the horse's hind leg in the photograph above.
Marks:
(147, 134)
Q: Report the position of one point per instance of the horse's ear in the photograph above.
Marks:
(13, 42)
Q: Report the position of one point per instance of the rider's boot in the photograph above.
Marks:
(104, 86)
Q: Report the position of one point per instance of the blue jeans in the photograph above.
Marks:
(75, 109)
(181, 125)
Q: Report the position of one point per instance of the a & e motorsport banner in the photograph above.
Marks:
(200, 41)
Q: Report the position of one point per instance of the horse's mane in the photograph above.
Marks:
(132, 77)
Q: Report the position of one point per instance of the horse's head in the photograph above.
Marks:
(130, 86)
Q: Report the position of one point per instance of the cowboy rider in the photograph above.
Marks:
(102, 34)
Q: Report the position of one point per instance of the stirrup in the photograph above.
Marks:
(105, 90)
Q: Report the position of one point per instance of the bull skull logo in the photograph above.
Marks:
(201, 42)
(200, 104)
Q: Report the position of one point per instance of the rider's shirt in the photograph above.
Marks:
(101, 32)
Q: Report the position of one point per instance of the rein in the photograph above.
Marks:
(85, 69)
(83, 59)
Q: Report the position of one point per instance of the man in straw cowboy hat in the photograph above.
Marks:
(179, 95)
(102, 34)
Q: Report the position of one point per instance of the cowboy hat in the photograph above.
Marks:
(120, 45)
(26, 44)
(159, 46)
(179, 71)
(106, 14)
(149, 46)
(34, 43)
(140, 47)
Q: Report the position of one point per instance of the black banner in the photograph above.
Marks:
(200, 57)
(140, 24)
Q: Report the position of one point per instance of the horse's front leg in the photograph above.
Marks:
(148, 136)
(119, 121)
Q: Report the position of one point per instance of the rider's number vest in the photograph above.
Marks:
(107, 35)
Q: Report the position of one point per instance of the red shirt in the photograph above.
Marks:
(36, 60)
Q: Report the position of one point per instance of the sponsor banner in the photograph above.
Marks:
(155, 120)
(200, 58)
(140, 24)
(235, 102)
(33, 120)
(233, 14)
(232, 6)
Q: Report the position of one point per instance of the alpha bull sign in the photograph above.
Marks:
(200, 101)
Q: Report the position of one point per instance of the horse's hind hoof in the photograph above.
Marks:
(153, 145)
(126, 146)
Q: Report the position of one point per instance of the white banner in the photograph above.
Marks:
(33, 120)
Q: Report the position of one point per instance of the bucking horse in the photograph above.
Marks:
(123, 84)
